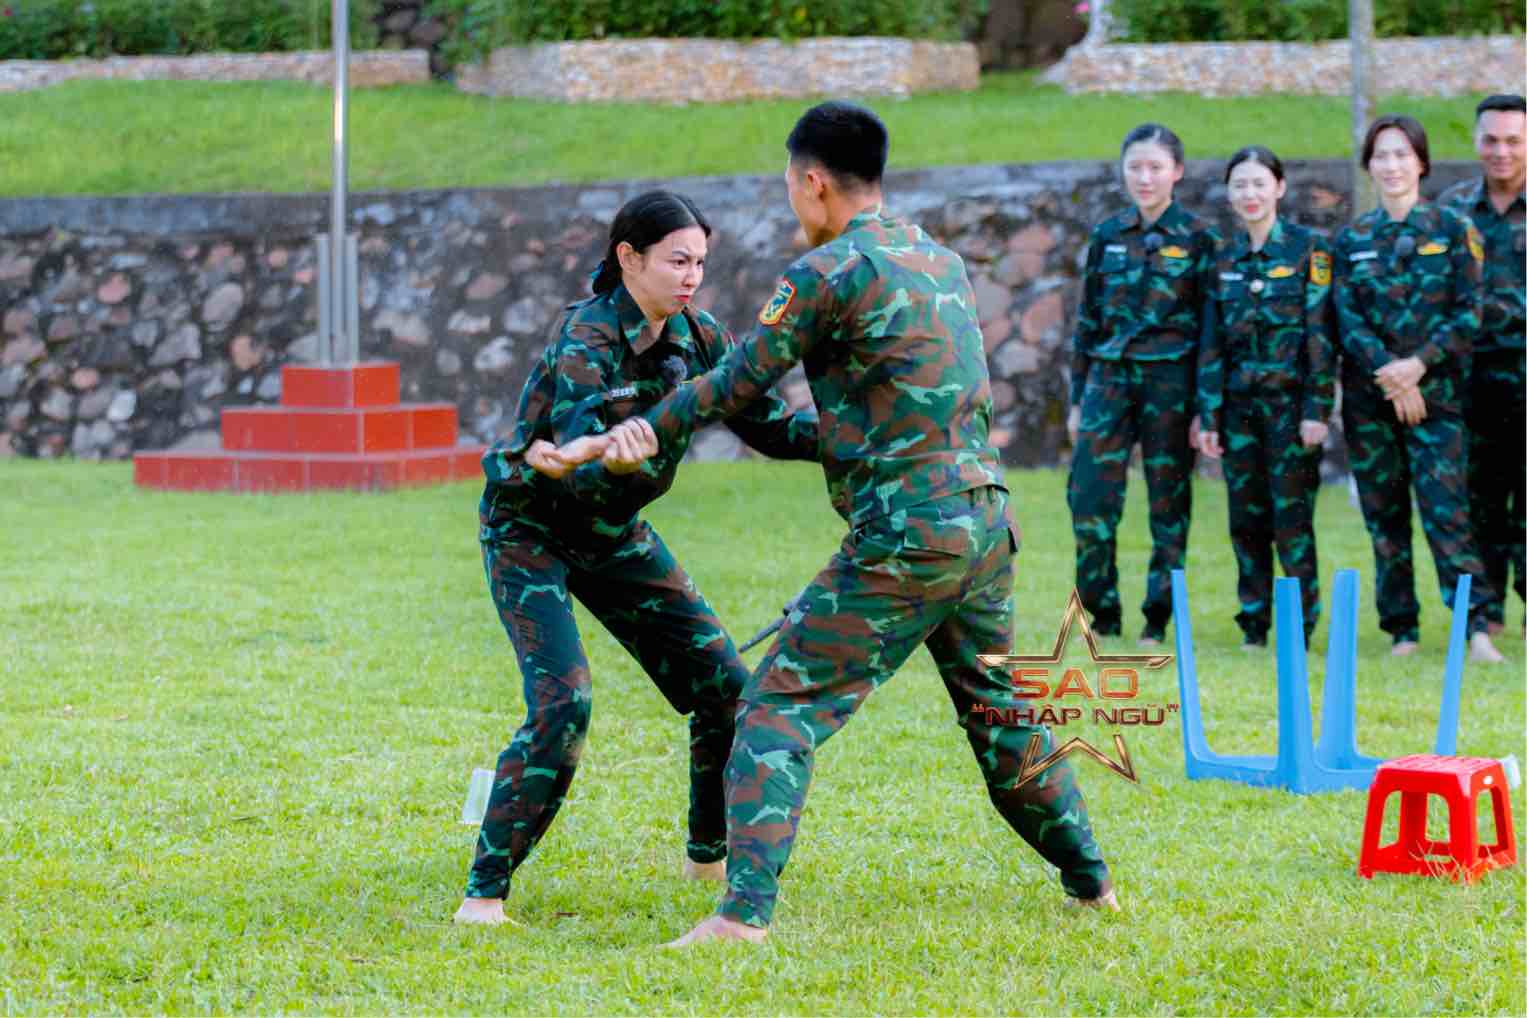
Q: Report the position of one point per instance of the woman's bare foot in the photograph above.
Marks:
(705, 870)
(1107, 901)
(1481, 649)
(481, 912)
(719, 927)
(1403, 648)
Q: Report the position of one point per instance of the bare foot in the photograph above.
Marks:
(1147, 641)
(1403, 648)
(720, 928)
(1482, 650)
(481, 912)
(1495, 628)
(1107, 901)
(705, 870)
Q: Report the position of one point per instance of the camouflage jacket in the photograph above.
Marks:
(1269, 325)
(602, 366)
(1142, 291)
(886, 324)
(1505, 286)
(1409, 288)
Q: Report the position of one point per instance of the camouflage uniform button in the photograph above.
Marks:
(1256, 287)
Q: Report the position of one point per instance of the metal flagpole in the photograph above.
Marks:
(342, 318)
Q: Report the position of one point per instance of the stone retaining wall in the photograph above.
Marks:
(720, 70)
(367, 69)
(129, 323)
(1419, 67)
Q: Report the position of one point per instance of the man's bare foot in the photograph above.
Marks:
(481, 912)
(1482, 650)
(705, 870)
(1107, 901)
(1495, 628)
(1403, 648)
(719, 927)
(1147, 641)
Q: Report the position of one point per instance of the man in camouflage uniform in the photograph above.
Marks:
(1410, 289)
(1265, 373)
(885, 322)
(544, 538)
(1496, 414)
(1133, 379)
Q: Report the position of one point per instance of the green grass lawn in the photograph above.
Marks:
(179, 137)
(237, 733)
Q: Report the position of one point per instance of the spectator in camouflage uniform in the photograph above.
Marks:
(1265, 387)
(1497, 418)
(1133, 366)
(548, 532)
(885, 322)
(1407, 295)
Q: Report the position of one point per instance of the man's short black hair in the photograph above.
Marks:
(1504, 103)
(846, 140)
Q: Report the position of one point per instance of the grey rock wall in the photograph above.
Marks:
(128, 323)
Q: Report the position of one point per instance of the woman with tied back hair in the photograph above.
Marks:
(1133, 367)
(1265, 387)
(549, 530)
(1407, 295)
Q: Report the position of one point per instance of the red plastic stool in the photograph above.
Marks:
(1459, 780)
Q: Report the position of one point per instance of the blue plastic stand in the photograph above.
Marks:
(1301, 766)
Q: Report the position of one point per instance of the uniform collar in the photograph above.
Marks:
(863, 219)
(633, 323)
(1275, 240)
(1173, 220)
(1420, 217)
(1480, 198)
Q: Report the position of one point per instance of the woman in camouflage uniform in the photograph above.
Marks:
(549, 530)
(1265, 387)
(1133, 367)
(1407, 278)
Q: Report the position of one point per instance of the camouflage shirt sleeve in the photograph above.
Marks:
(1211, 363)
(788, 326)
(1319, 392)
(1456, 324)
(504, 463)
(1358, 341)
(768, 424)
(1088, 319)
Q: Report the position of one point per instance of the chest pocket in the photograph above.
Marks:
(1286, 294)
(1113, 265)
(1172, 265)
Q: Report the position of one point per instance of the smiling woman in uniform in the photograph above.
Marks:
(1265, 387)
(1407, 289)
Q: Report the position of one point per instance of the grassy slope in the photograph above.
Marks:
(173, 137)
(238, 730)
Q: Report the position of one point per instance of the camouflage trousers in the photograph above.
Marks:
(641, 594)
(1389, 459)
(1271, 480)
(1125, 402)
(937, 575)
(1498, 472)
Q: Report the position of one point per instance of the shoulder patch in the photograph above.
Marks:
(1320, 268)
(1280, 272)
(1476, 244)
(775, 310)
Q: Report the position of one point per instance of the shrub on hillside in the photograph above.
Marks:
(480, 25)
(58, 29)
(1308, 20)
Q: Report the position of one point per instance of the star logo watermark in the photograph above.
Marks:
(1110, 697)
